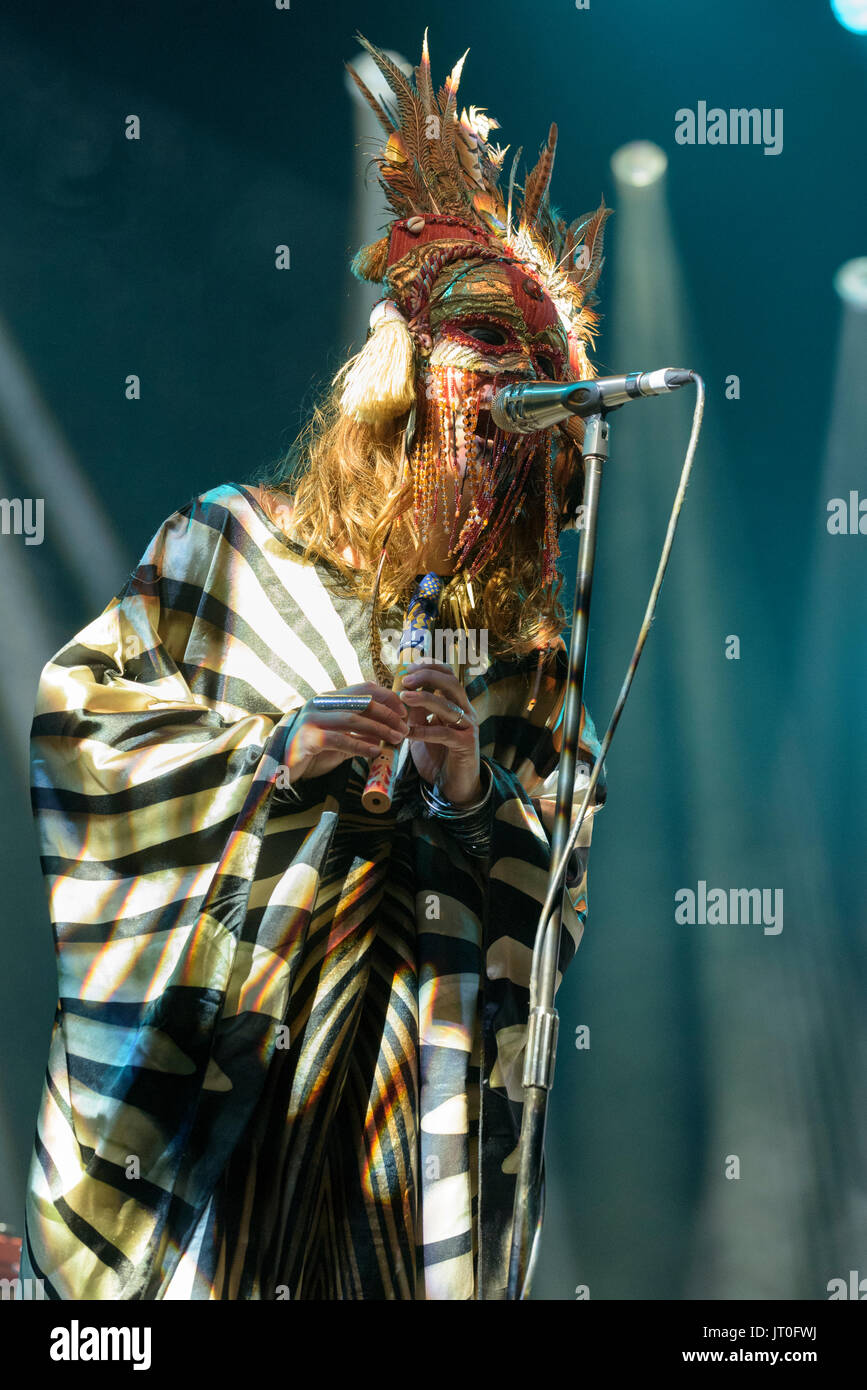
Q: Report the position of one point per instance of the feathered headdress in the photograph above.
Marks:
(441, 174)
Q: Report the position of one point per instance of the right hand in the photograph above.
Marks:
(322, 739)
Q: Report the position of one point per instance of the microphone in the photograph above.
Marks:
(525, 407)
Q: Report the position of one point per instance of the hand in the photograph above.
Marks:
(322, 739)
(446, 749)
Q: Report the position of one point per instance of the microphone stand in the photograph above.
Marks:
(539, 1057)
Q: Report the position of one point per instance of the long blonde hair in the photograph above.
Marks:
(342, 478)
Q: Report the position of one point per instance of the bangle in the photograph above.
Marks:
(471, 825)
(436, 802)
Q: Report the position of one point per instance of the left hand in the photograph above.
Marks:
(446, 749)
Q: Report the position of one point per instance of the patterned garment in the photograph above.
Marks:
(286, 1058)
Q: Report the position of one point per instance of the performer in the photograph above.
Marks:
(287, 1055)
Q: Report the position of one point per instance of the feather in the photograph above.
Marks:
(424, 181)
(518, 153)
(398, 173)
(386, 121)
(557, 228)
(539, 179)
(450, 177)
(475, 128)
(490, 209)
(395, 150)
(448, 95)
(468, 157)
(566, 250)
(371, 262)
(423, 83)
(477, 122)
(399, 181)
(446, 157)
(581, 224)
(593, 239)
(390, 71)
(410, 110)
(498, 208)
(459, 174)
(491, 159)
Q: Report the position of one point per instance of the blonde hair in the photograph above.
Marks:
(342, 477)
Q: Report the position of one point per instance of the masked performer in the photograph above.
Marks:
(287, 1055)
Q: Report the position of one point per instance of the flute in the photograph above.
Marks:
(416, 640)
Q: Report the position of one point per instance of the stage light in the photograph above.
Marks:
(850, 282)
(639, 163)
(852, 14)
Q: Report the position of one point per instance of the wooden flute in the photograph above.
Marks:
(416, 640)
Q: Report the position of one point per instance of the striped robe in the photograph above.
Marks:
(287, 1052)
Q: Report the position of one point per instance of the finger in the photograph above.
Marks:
(381, 696)
(334, 741)
(393, 713)
(350, 722)
(442, 733)
(432, 674)
(386, 717)
(430, 664)
(448, 712)
(432, 679)
(416, 717)
(425, 665)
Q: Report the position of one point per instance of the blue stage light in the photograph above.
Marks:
(639, 163)
(850, 282)
(852, 14)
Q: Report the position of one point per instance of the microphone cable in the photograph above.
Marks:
(556, 886)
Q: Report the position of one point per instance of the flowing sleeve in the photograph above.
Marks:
(157, 734)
